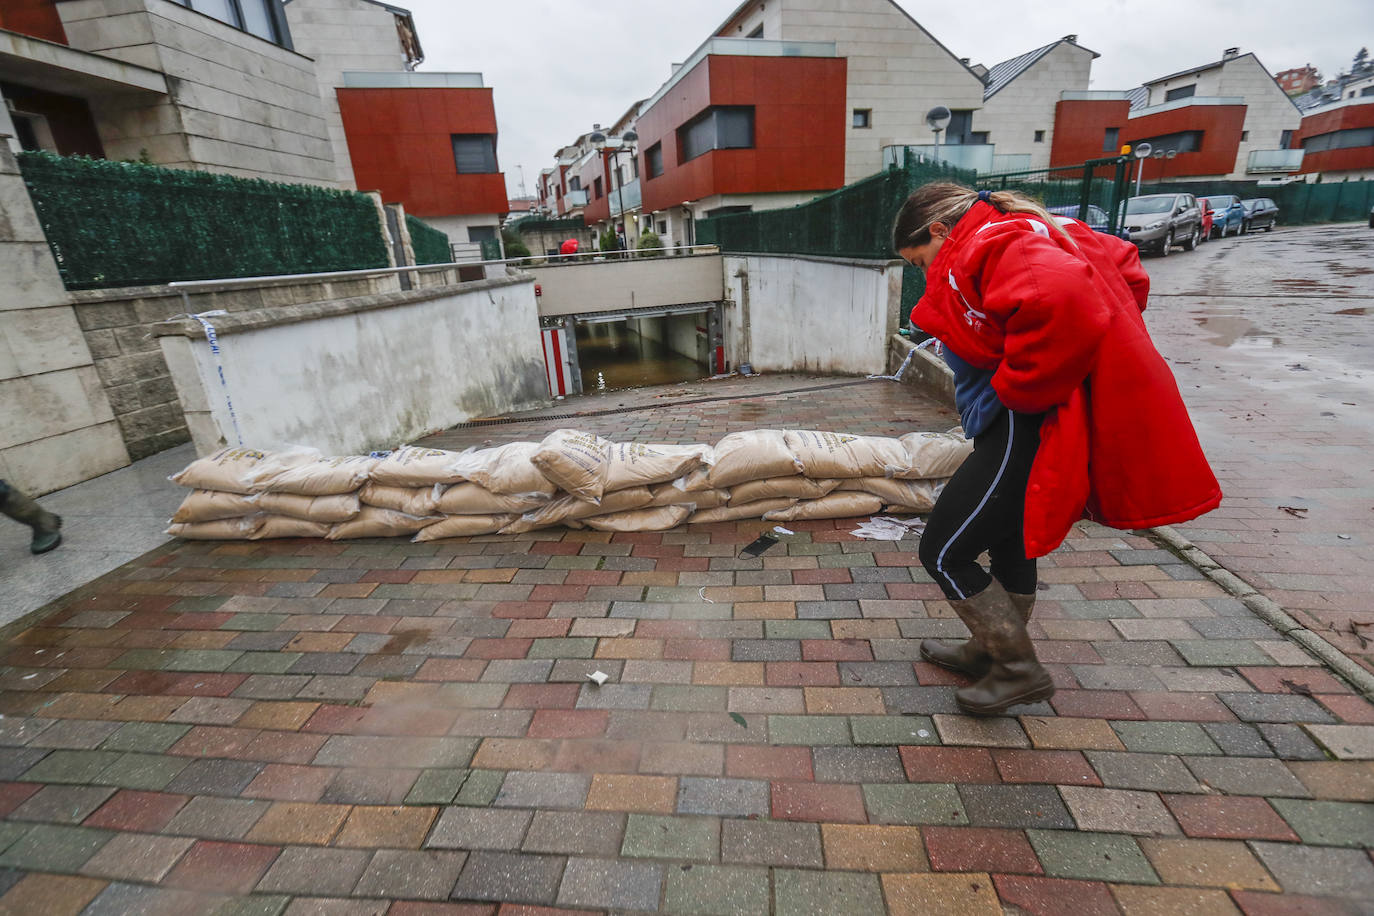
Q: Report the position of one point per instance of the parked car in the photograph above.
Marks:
(1159, 221)
(1260, 213)
(1207, 217)
(1371, 217)
(1096, 216)
(1228, 214)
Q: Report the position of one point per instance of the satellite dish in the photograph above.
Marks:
(1142, 150)
(938, 117)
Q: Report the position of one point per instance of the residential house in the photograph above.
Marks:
(1337, 139)
(1298, 80)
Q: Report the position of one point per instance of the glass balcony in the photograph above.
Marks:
(626, 197)
(1274, 160)
(743, 47)
(976, 156)
(1011, 162)
(575, 199)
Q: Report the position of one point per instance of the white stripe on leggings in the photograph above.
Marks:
(940, 560)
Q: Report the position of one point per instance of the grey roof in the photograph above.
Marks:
(999, 75)
(1138, 97)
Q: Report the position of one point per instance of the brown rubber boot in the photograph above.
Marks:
(46, 526)
(1014, 675)
(969, 657)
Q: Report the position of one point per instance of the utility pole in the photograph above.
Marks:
(522, 179)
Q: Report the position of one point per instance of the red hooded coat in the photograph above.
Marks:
(1060, 323)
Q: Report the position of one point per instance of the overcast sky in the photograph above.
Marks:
(558, 67)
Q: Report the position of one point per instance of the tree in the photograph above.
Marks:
(515, 245)
(1361, 62)
(649, 244)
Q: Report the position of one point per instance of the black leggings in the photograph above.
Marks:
(983, 508)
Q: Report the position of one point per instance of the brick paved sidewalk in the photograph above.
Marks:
(379, 726)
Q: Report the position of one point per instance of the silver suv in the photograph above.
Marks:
(1158, 222)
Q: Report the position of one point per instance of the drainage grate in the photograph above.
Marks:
(506, 421)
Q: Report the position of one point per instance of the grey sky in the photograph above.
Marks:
(557, 67)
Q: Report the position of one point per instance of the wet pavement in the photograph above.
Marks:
(379, 726)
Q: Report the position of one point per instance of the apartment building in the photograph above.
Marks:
(1337, 139)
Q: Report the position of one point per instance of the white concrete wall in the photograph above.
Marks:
(1026, 104)
(343, 35)
(456, 227)
(606, 286)
(360, 379)
(795, 314)
(239, 104)
(895, 67)
(1268, 110)
(56, 425)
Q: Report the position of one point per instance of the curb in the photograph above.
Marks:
(1267, 610)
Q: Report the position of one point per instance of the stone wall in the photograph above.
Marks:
(56, 425)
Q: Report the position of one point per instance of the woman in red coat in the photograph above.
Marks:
(1070, 408)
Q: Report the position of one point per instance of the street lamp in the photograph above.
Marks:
(626, 140)
(938, 119)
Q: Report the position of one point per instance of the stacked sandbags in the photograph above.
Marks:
(570, 478)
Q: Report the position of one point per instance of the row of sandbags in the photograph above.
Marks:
(570, 478)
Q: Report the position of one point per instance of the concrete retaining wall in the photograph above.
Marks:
(831, 316)
(370, 372)
(607, 286)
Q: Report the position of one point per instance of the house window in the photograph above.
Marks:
(474, 154)
(1188, 141)
(1039, 136)
(1182, 92)
(662, 227)
(263, 18)
(979, 137)
(1244, 135)
(716, 128)
(1368, 90)
(1340, 139)
(596, 188)
(634, 167)
(1111, 140)
(1286, 140)
(957, 132)
(653, 160)
(863, 117)
(757, 33)
(575, 183)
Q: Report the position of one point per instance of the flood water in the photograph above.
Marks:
(613, 356)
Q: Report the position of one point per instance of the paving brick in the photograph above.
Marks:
(1228, 817)
(643, 794)
(1165, 737)
(404, 873)
(1071, 734)
(941, 895)
(1319, 871)
(1054, 896)
(58, 895)
(46, 847)
(308, 870)
(136, 857)
(914, 804)
(726, 797)
(1206, 863)
(990, 732)
(62, 804)
(478, 828)
(137, 811)
(1329, 823)
(1118, 810)
(1135, 900)
(862, 847)
(231, 868)
(825, 893)
(857, 764)
(949, 764)
(1238, 739)
(399, 827)
(1275, 707)
(808, 730)
(1157, 772)
(217, 818)
(798, 801)
(1261, 903)
(1344, 742)
(1014, 806)
(543, 790)
(979, 849)
(712, 889)
(583, 833)
(510, 877)
(651, 836)
(771, 843)
(1091, 856)
(1061, 767)
(1246, 776)
(611, 883)
(1343, 780)
(1292, 742)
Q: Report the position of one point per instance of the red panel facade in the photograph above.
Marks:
(1221, 126)
(36, 18)
(400, 141)
(1348, 117)
(1080, 129)
(799, 128)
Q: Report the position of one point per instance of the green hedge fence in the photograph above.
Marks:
(430, 245)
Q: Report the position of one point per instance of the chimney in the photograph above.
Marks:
(1230, 53)
(1071, 38)
(964, 61)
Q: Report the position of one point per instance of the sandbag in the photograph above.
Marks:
(733, 513)
(774, 487)
(635, 465)
(570, 507)
(417, 501)
(284, 526)
(226, 529)
(932, 455)
(579, 463)
(659, 518)
(414, 466)
(837, 505)
(474, 499)
(229, 470)
(752, 455)
(506, 470)
(213, 505)
(668, 494)
(911, 495)
(841, 455)
(306, 472)
(694, 481)
(372, 522)
(463, 526)
(337, 508)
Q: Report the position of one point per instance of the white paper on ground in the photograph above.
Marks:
(885, 528)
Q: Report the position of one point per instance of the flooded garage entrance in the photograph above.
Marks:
(632, 349)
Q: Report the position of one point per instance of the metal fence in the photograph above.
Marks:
(1073, 191)
(1299, 203)
(128, 224)
(429, 244)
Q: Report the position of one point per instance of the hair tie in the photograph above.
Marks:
(985, 196)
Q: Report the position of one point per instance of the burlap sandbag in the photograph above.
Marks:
(660, 518)
(932, 455)
(910, 495)
(825, 454)
(570, 507)
(226, 529)
(417, 501)
(506, 470)
(579, 463)
(330, 509)
(463, 526)
(733, 513)
(634, 465)
(414, 466)
(668, 494)
(373, 522)
(694, 481)
(845, 504)
(775, 487)
(305, 472)
(213, 505)
(229, 470)
(752, 455)
(474, 499)
(283, 526)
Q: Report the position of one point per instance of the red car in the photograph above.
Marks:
(1206, 219)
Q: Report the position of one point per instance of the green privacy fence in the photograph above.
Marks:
(1299, 203)
(1074, 190)
(430, 245)
(128, 224)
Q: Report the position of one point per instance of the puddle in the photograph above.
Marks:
(1235, 331)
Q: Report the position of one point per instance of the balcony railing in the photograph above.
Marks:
(976, 156)
(1275, 160)
(625, 198)
(1190, 101)
(743, 47)
(575, 199)
(409, 79)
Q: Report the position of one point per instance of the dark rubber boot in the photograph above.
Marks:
(46, 527)
(1014, 675)
(969, 657)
